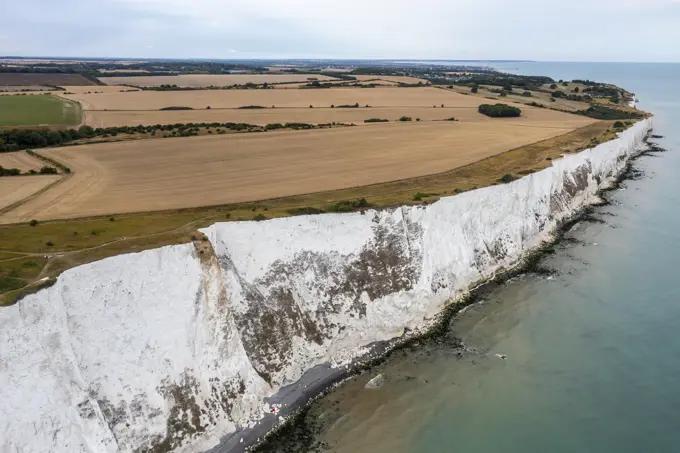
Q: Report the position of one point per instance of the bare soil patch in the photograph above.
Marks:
(212, 170)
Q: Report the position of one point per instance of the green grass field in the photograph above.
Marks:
(37, 110)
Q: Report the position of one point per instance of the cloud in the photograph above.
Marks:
(583, 30)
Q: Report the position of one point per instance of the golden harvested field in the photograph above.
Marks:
(541, 117)
(20, 160)
(375, 97)
(137, 176)
(206, 80)
(17, 188)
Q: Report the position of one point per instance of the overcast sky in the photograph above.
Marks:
(568, 30)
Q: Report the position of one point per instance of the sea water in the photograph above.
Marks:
(583, 359)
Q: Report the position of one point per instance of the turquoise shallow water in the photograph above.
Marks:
(593, 352)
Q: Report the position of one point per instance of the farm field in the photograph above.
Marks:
(138, 176)
(530, 116)
(21, 160)
(109, 107)
(38, 110)
(56, 79)
(17, 188)
(206, 80)
(216, 99)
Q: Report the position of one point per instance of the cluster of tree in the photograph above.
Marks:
(16, 139)
(177, 107)
(506, 81)
(585, 82)
(16, 172)
(602, 91)
(295, 126)
(499, 110)
(600, 112)
(19, 139)
(167, 87)
(376, 120)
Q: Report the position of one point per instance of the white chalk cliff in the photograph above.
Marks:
(172, 350)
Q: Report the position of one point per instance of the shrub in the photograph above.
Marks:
(499, 110)
(85, 130)
(305, 211)
(405, 118)
(553, 87)
(619, 125)
(48, 171)
(506, 178)
(527, 94)
(10, 283)
(33, 222)
(260, 217)
(474, 90)
(253, 107)
(349, 205)
(50, 244)
(420, 195)
(175, 107)
(376, 120)
(557, 94)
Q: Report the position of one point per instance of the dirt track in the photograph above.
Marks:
(190, 172)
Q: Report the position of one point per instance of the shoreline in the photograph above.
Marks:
(316, 383)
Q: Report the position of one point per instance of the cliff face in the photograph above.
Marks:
(171, 350)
